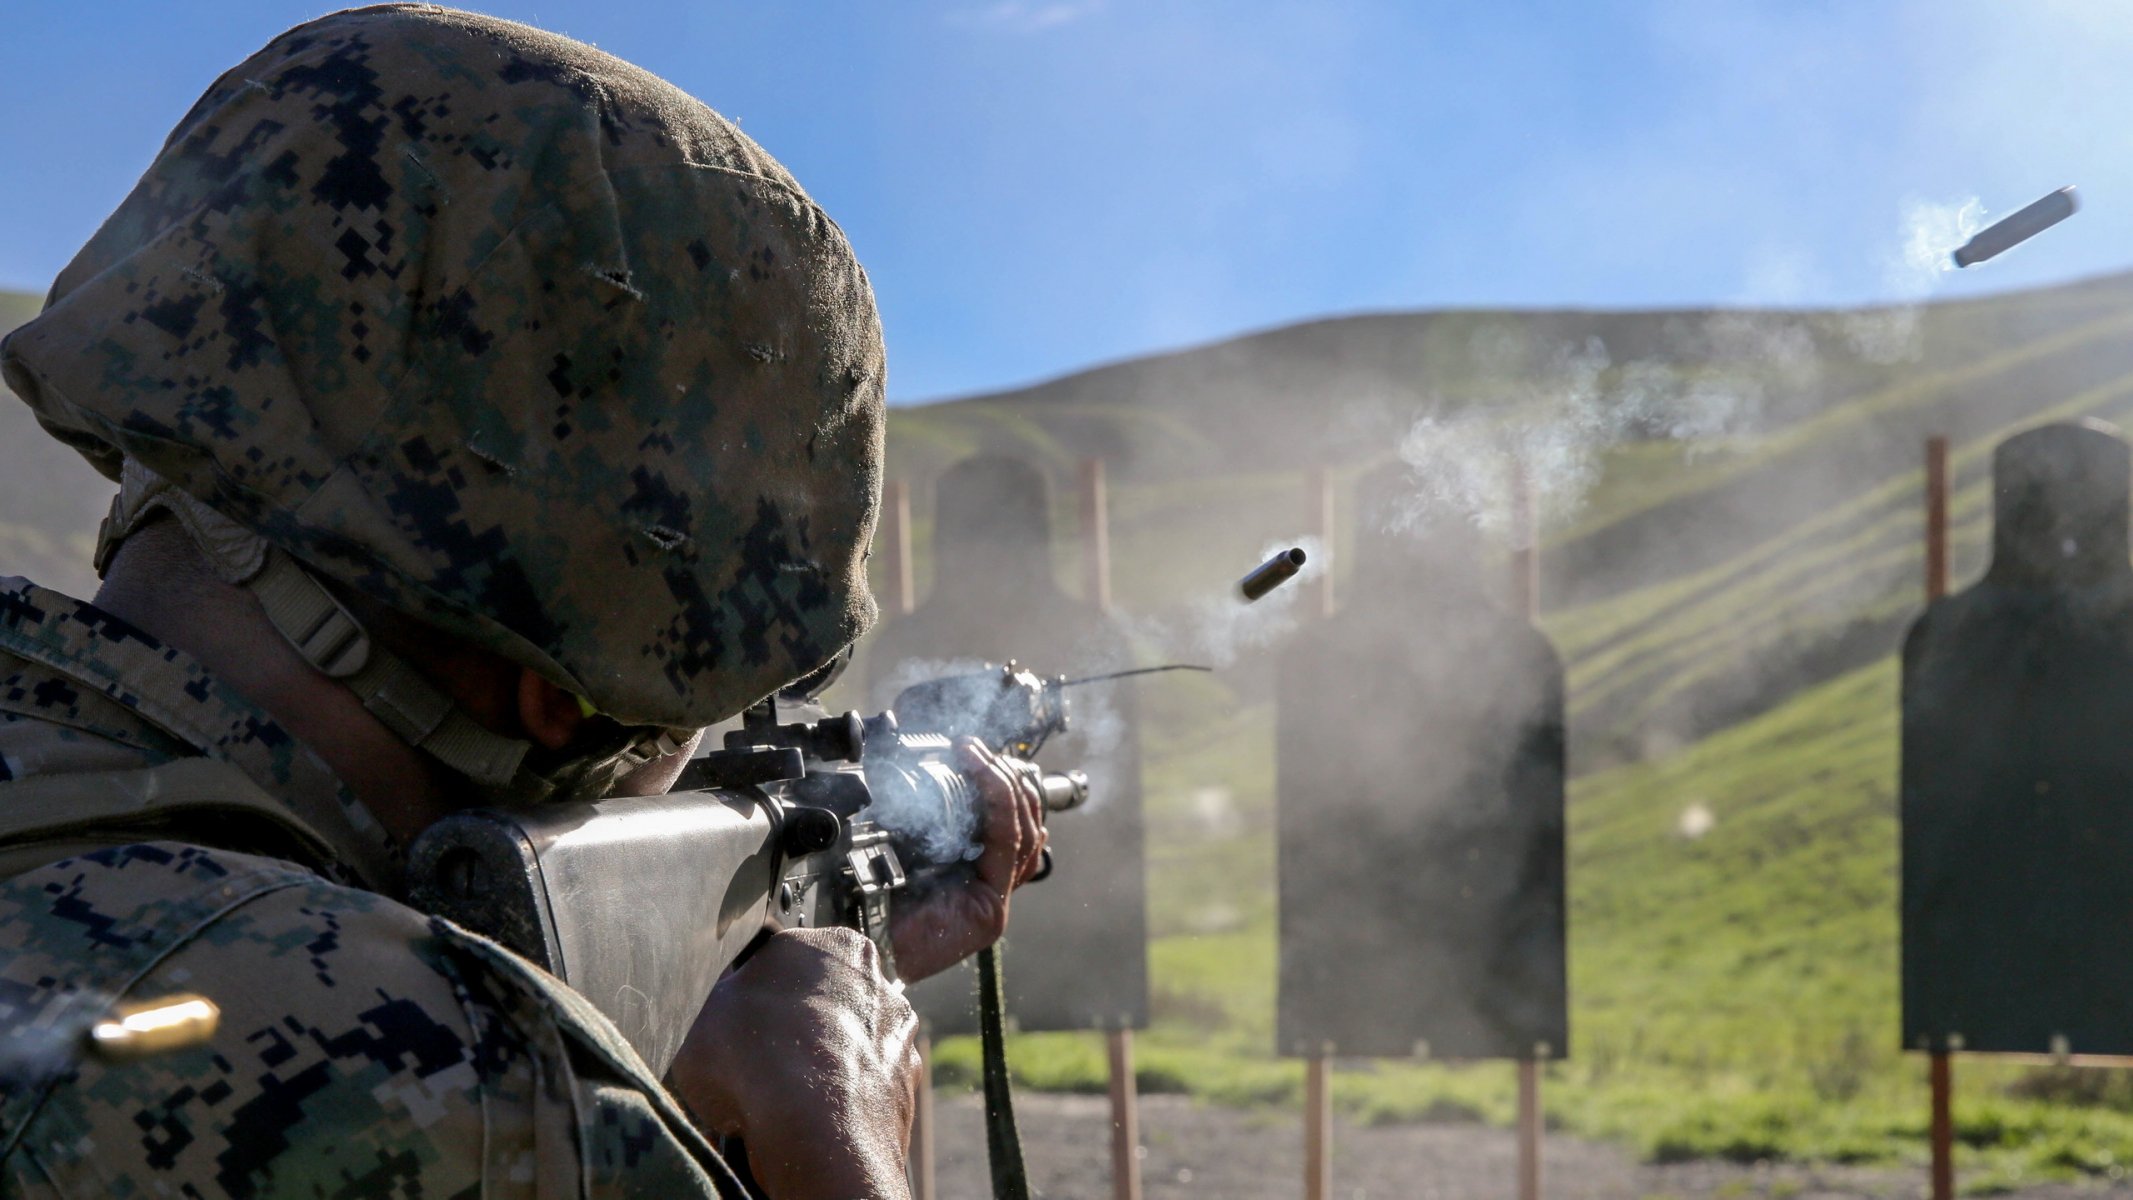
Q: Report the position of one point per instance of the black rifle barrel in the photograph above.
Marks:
(1271, 574)
(2012, 230)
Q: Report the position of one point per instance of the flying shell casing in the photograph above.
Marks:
(1271, 574)
(2012, 230)
(154, 1027)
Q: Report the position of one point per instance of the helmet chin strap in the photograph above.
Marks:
(336, 644)
(330, 638)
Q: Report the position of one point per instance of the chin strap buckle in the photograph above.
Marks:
(325, 633)
(330, 638)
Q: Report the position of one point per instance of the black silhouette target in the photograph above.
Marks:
(2017, 781)
(1420, 798)
(1076, 953)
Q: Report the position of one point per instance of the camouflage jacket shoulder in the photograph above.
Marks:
(365, 1049)
(82, 690)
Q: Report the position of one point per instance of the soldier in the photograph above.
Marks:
(489, 418)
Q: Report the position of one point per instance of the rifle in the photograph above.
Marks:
(641, 903)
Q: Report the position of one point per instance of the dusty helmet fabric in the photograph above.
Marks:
(506, 333)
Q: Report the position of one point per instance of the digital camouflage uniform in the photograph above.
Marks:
(506, 335)
(365, 1049)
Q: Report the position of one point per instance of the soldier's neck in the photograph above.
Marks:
(158, 582)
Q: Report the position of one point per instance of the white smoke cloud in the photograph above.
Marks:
(943, 833)
(1095, 725)
(1931, 234)
(1928, 233)
(1468, 465)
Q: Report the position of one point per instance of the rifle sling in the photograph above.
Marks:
(1003, 1145)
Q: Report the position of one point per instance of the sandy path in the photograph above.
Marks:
(1194, 1152)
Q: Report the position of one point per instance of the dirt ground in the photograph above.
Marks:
(1193, 1152)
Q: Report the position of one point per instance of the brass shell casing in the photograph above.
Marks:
(151, 1027)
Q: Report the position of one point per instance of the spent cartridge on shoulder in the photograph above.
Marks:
(154, 1027)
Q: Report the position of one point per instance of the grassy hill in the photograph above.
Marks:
(15, 308)
(1657, 573)
(50, 501)
(1727, 615)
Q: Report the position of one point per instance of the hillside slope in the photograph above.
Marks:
(50, 500)
(1690, 583)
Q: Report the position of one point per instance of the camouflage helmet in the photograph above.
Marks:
(505, 334)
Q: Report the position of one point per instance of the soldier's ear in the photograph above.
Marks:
(550, 714)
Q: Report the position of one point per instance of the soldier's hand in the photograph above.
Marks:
(810, 1055)
(951, 923)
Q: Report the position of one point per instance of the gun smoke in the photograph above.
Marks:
(1095, 723)
(1472, 465)
(1568, 404)
(1928, 234)
(944, 834)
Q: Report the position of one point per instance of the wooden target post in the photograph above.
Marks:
(1125, 1100)
(1318, 1126)
(1525, 597)
(1125, 1117)
(1529, 1129)
(1940, 1074)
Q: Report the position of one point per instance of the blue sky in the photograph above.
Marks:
(1039, 185)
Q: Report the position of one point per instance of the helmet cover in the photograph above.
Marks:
(505, 333)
